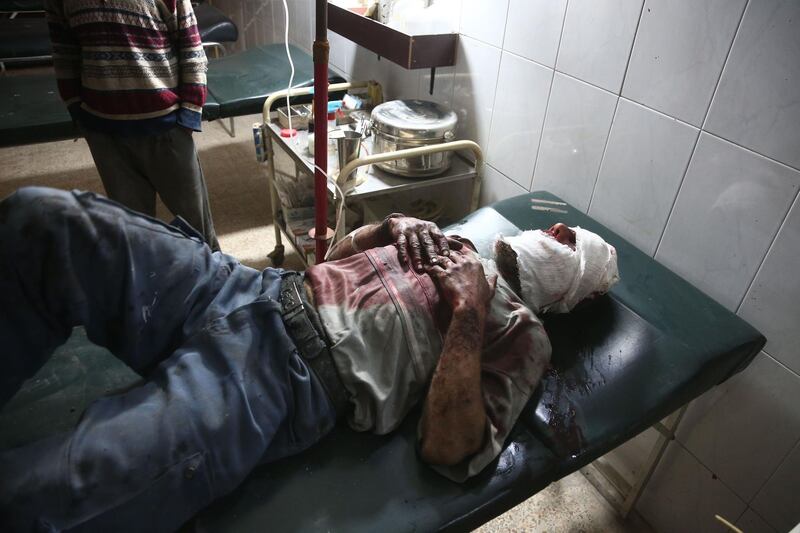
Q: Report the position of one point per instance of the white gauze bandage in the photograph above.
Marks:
(554, 277)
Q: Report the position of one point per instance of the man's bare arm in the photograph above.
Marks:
(454, 417)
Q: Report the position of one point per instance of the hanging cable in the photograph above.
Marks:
(289, 57)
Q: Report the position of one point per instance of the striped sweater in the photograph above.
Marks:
(129, 66)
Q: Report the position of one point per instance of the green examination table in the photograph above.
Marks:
(619, 366)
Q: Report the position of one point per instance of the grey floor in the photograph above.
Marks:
(240, 206)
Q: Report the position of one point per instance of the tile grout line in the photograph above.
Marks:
(541, 130)
(779, 363)
(633, 44)
(549, 96)
(716, 476)
(603, 157)
(494, 101)
(677, 192)
(500, 47)
(509, 178)
(774, 239)
(699, 128)
(744, 511)
(699, 133)
(590, 84)
(758, 515)
(499, 68)
(505, 24)
(719, 478)
(616, 107)
(724, 64)
(496, 80)
(772, 474)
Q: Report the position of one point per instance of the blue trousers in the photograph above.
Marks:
(224, 388)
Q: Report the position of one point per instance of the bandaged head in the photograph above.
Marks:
(554, 277)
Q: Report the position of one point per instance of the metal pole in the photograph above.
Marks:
(321, 53)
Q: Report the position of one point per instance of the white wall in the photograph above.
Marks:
(676, 124)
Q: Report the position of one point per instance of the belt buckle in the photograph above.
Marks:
(291, 300)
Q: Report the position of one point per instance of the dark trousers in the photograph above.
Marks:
(134, 169)
(224, 387)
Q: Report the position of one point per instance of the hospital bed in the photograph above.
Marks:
(619, 366)
(31, 110)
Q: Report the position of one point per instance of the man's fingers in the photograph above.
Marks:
(428, 246)
(401, 248)
(416, 253)
(444, 246)
(441, 241)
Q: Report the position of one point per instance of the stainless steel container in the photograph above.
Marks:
(300, 116)
(402, 124)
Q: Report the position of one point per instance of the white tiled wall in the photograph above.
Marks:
(596, 40)
(578, 121)
(534, 29)
(519, 106)
(678, 55)
(676, 123)
(641, 172)
(688, 496)
(757, 104)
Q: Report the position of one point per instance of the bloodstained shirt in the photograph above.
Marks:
(386, 324)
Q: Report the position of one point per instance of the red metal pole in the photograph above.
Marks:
(321, 53)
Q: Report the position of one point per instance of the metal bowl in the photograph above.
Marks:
(402, 124)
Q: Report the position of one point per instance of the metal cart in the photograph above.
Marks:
(289, 161)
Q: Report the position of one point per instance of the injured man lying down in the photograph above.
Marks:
(242, 367)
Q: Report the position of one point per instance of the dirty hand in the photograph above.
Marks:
(418, 241)
(462, 281)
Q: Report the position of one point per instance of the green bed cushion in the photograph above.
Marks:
(53, 400)
(359, 482)
(241, 82)
(24, 37)
(632, 357)
(31, 111)
(211, 108)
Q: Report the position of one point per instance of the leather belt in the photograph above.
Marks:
(305, 328)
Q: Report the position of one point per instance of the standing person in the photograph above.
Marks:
(133, 75)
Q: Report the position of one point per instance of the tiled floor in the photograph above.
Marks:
(571, 505)
(239, 201)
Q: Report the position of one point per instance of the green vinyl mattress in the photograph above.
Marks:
(619, 365)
